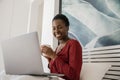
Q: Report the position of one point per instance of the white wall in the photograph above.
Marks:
(51, 8)
(6, 9)
(21, 16)
(18, 17)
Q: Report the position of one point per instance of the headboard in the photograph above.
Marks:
(107, 55)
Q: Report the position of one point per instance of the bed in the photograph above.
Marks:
(3, 76)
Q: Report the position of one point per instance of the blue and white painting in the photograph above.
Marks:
(95, 23)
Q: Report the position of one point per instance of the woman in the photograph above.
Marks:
(67, 58)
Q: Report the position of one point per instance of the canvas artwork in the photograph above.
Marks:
(94, 23)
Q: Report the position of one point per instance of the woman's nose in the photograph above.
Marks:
(56, 30)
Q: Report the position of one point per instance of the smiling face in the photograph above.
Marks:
(60, 30)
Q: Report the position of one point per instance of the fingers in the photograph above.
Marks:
(44, 48)
(47, 51)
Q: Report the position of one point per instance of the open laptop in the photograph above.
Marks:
(22, 56)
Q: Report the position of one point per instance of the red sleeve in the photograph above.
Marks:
(72, 69)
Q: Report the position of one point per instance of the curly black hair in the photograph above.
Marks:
(63, 18)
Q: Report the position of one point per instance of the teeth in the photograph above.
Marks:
(58, 35)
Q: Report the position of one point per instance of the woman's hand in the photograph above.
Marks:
(48, 52)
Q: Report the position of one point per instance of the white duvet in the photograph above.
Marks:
(3, 76)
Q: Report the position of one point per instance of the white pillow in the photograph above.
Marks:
(94, 71)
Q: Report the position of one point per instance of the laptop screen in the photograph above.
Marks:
(22, 54)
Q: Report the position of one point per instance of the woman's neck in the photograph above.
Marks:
(64, 40)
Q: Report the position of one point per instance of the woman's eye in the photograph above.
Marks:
(56, 28)
(60, 27)
(53, 28)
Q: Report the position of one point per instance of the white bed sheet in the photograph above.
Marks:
(3, 76)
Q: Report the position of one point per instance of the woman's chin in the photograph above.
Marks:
(59, 38)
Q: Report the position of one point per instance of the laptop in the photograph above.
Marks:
(22, 56)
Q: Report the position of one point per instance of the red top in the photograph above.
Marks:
(69, 61)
